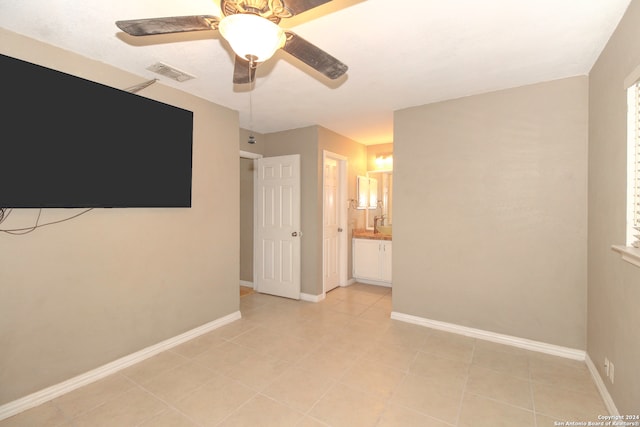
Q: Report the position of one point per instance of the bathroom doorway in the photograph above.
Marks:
(247, 179)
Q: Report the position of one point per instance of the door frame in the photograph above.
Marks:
(342, 217)
(254, 157)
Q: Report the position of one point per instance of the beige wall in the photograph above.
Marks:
(614, 285)
(77, 295)
(490, 212)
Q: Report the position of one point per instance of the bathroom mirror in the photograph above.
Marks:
(367, 192)
(383, 196)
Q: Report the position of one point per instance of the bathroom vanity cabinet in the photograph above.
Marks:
(372, 261)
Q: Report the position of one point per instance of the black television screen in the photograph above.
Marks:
(68, 142)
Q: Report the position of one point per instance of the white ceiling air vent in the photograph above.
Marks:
(170, 72)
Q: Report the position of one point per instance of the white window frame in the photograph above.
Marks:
(631, 251)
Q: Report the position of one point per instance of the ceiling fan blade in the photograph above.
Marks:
(170, 24)
(313, 56)
(243, 71)
(296, 7)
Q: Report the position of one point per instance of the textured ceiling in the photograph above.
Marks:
(400, 53)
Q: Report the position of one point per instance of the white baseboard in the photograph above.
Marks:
(246, 283)
(524, 343)
(602, 388)
(311, 298)
(15, 407)
(373, 282)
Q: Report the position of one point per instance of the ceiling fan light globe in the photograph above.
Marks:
(252, 36)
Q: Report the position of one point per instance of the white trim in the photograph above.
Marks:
(250, 155)
(527, 344)
(311, 298)
(628, 253)
(15, 407)
(602, 388)
(632, 78)
(372, 282)
(349, 282)
(246, 283)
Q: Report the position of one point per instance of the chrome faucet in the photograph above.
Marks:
(375, 223)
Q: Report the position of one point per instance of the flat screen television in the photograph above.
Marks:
(68, 142)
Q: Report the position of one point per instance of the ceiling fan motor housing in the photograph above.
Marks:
(273, 10)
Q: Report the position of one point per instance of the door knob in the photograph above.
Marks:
(294, 234)
(339, 229)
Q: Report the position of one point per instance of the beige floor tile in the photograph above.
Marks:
(255, 300)
(343, 406)
(565, 404)
(259, 339)
(175, 384)
(480, 412)
(224, 357)
(169, 418)
(236, 328)
(350, 308)
(360, 297)
(199, 345)
(328, 362)
(311, 422)
(292, 348)
(215, 401)
(562, 373)
(258, 371)
(372, 329)
(401, 334)
(398, 416)
(311, 330)
(264, 412)
(440, 401)
(362, 287)
(396, 357)
(373, 377)
(129, 409)
(92, 395)
(376, 313)
(446, 344)
(545, 421)
(331, 319)
(439, 369)
(385, 303)
(499, 386)
(46, 414)
(146, 370)
(354, 343)
(299, 389)
(498, 358)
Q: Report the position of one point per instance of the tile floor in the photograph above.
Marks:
(341, 362)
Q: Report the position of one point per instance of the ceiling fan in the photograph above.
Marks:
(251, 28)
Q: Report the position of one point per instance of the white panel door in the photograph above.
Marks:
(331, 225)
(278, 226)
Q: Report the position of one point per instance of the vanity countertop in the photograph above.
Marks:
(369, 234)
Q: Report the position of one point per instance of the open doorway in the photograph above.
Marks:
(334, 221)
(247, 178)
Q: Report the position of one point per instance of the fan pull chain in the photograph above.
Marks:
(252, 139)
